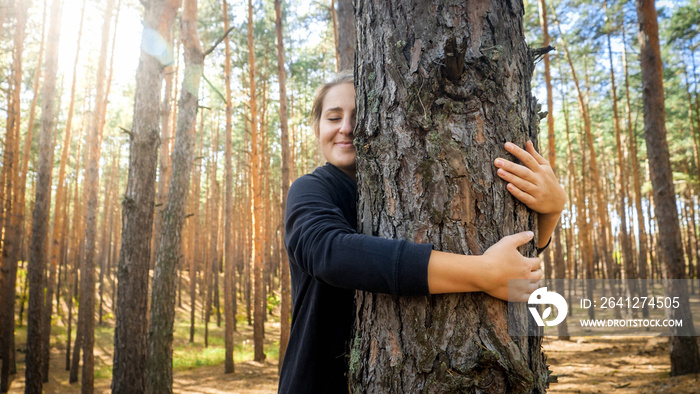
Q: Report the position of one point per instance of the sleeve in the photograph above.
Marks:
(322, 243)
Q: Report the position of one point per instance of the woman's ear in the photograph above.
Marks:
(317, 131)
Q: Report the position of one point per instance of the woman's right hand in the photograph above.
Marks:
(503, 262)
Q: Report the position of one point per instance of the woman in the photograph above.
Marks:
(329, 260)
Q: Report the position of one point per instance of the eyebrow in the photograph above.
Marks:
(336, 109)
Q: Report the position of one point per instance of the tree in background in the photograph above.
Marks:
(159, 364)
(685, 358)
(40, 222)
(138, 203)
(439, 91)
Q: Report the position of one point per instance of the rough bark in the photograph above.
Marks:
(40, 220)
(285, 285)
(159, 374)
(439, 90)
(128, 375)
(683, 348)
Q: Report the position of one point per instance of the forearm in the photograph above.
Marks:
(454, 273)
(547, 222)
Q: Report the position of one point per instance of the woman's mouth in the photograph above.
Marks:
(345, 144)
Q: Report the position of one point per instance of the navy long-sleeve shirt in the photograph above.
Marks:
(328, 260)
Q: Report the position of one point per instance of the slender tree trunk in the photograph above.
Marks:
(601, 207)
(229, 282)
(257, 208)
(285, 285)
(196, 247)
(159, 374)
(627, 260)
(128, 375)
(345, 46)
(448, 118)
(12, 211)
(559, 265)
(685, 358)
(40, 220)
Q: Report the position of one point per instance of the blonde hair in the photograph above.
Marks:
(339, 78)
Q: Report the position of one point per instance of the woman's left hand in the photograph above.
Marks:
(534, 182)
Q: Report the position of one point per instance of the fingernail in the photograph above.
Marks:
(530, 234)
(498, 162)
(509, 145)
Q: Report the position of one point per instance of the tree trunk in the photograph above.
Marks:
(457, 83)
(128, 375)
(627, 260)
(229, 282)
(601, 207)
(559, 266)
(257, 201)
(40, 220)
(159, 374)
(346, 34)
(11, 250)
(285, 285)
(685, 358)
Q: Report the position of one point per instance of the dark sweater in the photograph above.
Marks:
(328, 260)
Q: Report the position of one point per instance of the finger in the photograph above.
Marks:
(517, 169)
(530, 147)
(535, 264)
(524, 156)
(522, 184)
(519, 239)
(535, 276)
(520, 195)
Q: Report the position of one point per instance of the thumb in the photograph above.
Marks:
(519, 239)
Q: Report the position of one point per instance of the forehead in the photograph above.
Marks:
(341, 97)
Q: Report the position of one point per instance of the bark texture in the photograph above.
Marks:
(128, 375)
(440, 88)
(683, 345)
(159, 375)
(40, 220)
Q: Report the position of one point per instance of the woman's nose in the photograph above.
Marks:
(347, 126)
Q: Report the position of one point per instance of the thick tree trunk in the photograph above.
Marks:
(128, 375)
(159, 374)
(285, 285)
(685, 358)
(40, 221)
(456, 81)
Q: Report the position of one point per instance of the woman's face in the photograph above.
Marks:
(335, 128)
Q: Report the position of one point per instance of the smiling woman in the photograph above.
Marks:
(334, 128)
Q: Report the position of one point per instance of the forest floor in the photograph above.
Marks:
(581, 365)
